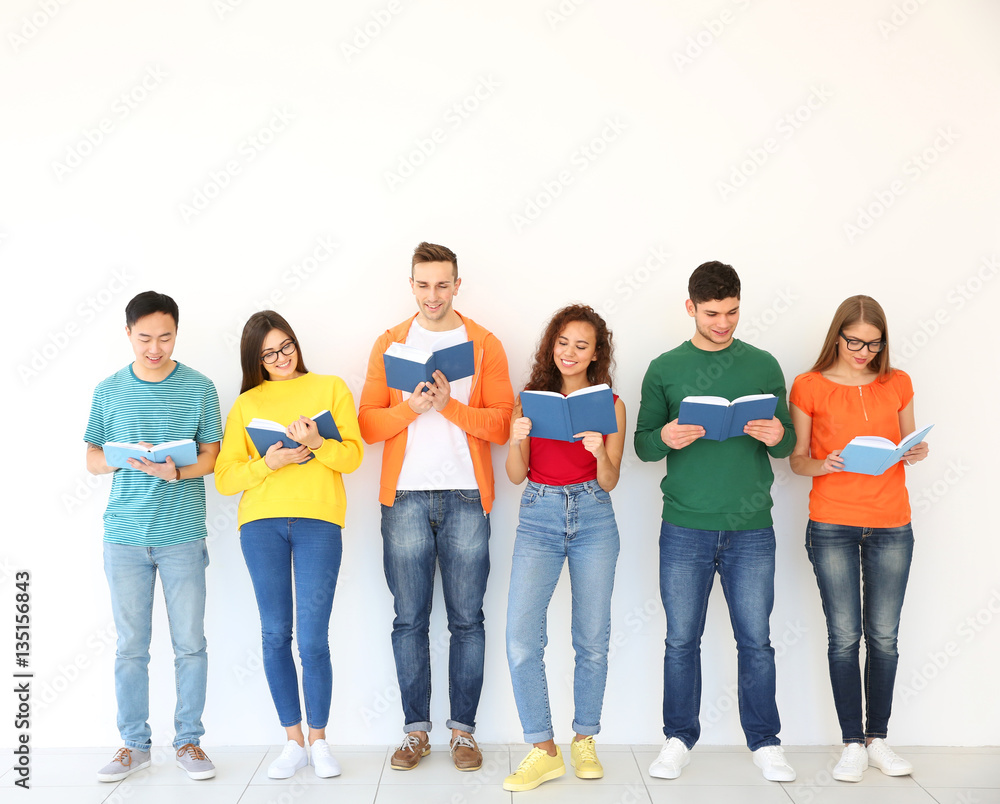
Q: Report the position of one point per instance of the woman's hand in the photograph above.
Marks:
(833, 463)
(277, 456)
(593, 442)
(305, 432)
(520, 429)
(916, 453)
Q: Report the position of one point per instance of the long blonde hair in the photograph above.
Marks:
(856, 310)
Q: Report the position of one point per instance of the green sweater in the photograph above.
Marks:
(712, 485)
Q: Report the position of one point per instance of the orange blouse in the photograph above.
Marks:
(839, 413)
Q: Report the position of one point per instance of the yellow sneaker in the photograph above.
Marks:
(583, 757)
(534, 769)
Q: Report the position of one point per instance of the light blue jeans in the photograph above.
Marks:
(131, 573)
(559, 523)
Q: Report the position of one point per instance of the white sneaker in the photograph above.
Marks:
(884, 758)
(673, 758)
(323, 762)
(853, 763)
(293, 756)
(771, 760)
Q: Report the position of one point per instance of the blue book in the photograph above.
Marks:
(723, 419)
(560, 417)
(264, 433)
(407, 366)
(872, 455)
(183, 452)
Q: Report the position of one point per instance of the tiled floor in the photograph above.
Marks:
(716, 774)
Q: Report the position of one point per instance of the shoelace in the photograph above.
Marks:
(774, 754)
(884, 752)
(194, 750)
(533, 757)
(672, 751)
(461, 740)
(123, 757)
(289, 749)
(321, 749)
(587, 749)
(410, 743)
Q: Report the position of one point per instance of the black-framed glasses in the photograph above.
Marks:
(285, 349)
(855, 345)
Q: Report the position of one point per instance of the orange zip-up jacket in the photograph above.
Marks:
(384, 416)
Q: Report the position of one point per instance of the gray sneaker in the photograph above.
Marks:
(126, 762)
(195, 762)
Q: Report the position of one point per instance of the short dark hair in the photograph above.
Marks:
(431, 252)
(713, 281)
(254, 332)
(147, 303)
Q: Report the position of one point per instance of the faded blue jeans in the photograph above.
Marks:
(744, 559)
(862, 574)
(298, 558)
(420, 530)
(574, 523)
(131, 571)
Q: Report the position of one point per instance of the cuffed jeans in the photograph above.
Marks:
(744, 559)
(560, 523)
(448, 528)
(131, 571)
(301, 558)
(862, 574)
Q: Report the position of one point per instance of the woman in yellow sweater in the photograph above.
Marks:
(290, 518)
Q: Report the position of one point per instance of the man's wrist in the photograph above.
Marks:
(176, 477)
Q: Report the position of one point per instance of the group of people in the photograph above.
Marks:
(436, 493)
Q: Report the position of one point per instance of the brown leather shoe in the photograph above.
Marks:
(408, 755)
(465, 753)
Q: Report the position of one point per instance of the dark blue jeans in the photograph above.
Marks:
(420, 530)
(744, 559)
(862, 574)
(300, 556)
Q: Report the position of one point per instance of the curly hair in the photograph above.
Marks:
(545, 374)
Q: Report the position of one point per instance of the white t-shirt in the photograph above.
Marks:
(437, 451)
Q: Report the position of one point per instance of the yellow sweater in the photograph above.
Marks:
(314, 490)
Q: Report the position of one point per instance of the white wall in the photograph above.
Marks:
(587, 111)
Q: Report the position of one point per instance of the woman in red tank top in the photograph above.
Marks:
(566, 515)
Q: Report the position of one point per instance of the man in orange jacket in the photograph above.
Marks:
(436, 492)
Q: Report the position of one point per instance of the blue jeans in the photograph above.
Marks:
(744, 559)
(557, 523)
(449, 528)
(131, 572)
(843, 557)
(300, 558)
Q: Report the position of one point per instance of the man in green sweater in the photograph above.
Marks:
(716, 518)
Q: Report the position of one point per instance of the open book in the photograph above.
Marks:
(723, 419)
(183, 453)
(872, 455)
(559, 417)
(264, 433)
(406, 366)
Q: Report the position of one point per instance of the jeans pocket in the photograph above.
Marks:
(400, 495)
(603, 497)
(528, 498)
(469, 495)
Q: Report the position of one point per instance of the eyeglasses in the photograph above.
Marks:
(285, 349)
(855, 345)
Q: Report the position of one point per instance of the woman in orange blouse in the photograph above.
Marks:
(859, 538)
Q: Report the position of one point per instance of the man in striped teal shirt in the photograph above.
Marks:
(155, 522)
